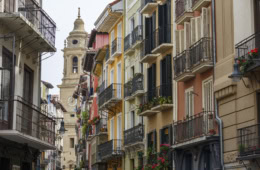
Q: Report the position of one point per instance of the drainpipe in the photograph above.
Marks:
(219, 121)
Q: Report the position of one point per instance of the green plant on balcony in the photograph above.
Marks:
(241, 148)
(244, 63)
(143, 107)
(82, 164)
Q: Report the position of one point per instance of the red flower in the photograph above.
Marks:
(154, 166)
(249, 52)
(238, 62)
(243, 60)
(163, 160)
(167, 145)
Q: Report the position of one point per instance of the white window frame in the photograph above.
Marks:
(191, 89)
(112, 76)
(203, 91)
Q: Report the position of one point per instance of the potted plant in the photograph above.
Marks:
(212, 131)
(241, 148)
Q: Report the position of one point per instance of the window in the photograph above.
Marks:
(75, 65)
(132, 119)
(208, 95)
(9, 6)
(189, 102)
(132, 164)
(141, 68)
(112, 76)
(133, 71)
(151, 81)
(166, 76)
(71, 142)
(151, 140)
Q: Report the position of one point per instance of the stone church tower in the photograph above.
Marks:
(74, 51)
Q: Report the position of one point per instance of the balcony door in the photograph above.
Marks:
(27, 112)
(151, 82)
(165, 23)
(5, 90)
(9, 5)
(119, 131)
(166, 76)
(119, 80)
(119, 36)
(257, 14)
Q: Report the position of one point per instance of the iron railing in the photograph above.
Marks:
(181, 63)
(163, 35)
(127, 42)
(107, 53)
(243, 50)
(249, 140)
(110, 149)
(137, 34)
(101, 126)
(134, 135)
(148, 45)
(116, 46)
(198, 125)
(200, 51)
(181, 7)
(113, 91)
(145, 2)
(101, 88)
(134, 85)
(33, 12)
(30, 119)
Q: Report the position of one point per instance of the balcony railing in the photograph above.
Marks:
(249, 140)
(202, 124)
(181, 63)
(149, 44)
(113, 91)
(163, 35)
(116, 46)
(39, 18)
(137, 34)
(110, 149)
(132, 86)
(107, 54)
(127, 42)
(101, 126)
(134, 135)
(182, 6)
(30, 120)
(244, 48)
(200, 51)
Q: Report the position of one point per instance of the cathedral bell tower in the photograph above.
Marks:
(75, 47)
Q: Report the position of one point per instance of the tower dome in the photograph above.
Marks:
(79, 24)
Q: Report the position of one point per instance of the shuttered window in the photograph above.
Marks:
(208, 95)
(152, 140)
(166, 76)
(189, 102)
(151, 80)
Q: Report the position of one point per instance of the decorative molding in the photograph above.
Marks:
(226, 91)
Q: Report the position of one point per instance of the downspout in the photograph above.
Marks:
(218, 119)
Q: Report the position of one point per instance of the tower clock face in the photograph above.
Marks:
(75, 42)
(72, 101)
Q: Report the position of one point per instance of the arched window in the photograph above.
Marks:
(75, 65)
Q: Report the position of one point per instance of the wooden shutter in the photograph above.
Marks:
(177, 41)
(204, 22)
(182, 39)
(208, 95)
(256, 17)
(198, 28)
(155, 141)
(154, 75)
(170, 135)
(163, 71)
(186, 104)
(169, 69)
(161, 15)
(191, 103)
(150, 78)
(193, 30)
(161, 136)
(186, 35)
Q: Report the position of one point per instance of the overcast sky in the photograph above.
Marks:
(64, 13)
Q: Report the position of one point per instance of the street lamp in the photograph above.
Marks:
(236, 75)
(62, 129)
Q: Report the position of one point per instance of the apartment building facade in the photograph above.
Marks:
(134, 86)
(25, 130)
(236, 86)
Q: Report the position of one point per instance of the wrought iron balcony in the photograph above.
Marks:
(134, 135)
(182, 68)
(183, 11)
(134, 87)
(41, 24)
(101, 127)
(201, 55)
(111, 95)
(163, 40)
(248, 142)
(197, 126)
(128, 44)
(148, 6)
(108, 57)
(147, 46)
(244, 52)
(32, 125)
(110, 149)
(116, 48)
(137, 35)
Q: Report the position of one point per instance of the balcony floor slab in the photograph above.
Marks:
(27, 31)
(149, 58)
(202, 67)
(137, 44)
(129, 51)
(149, 8)
(185, 17)
(162, 48)
(163, 107)
(148, 113)
(184, 77)
(138, 93)
(199, 4)
(22, 138)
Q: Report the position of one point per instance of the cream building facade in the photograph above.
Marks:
(74, 51)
